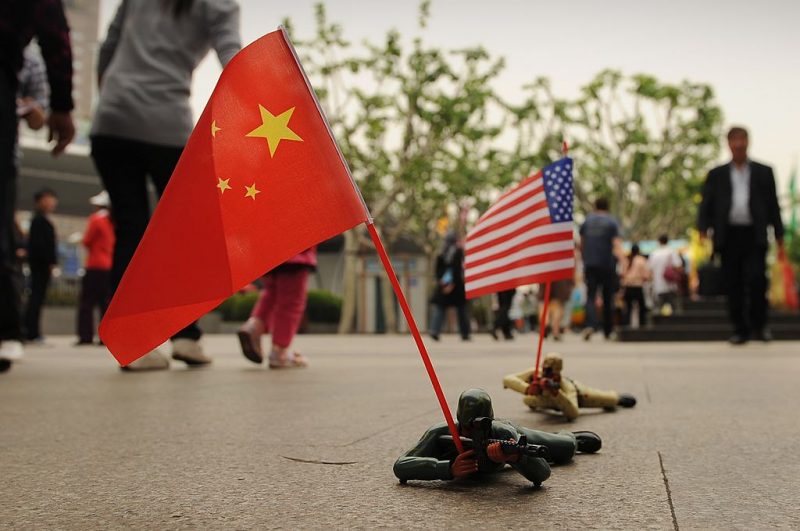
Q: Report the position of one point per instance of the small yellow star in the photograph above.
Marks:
(223, 185)
(214, 129)
(274, 129)
(251, 191)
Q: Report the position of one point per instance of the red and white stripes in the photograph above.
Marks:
(516, 243)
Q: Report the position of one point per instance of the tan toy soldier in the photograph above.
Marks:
(554, 391)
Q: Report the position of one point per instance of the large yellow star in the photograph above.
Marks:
(223, 184)
(274, 129)
(251, 191)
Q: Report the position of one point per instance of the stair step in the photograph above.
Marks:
(700, 332)
(706, 317)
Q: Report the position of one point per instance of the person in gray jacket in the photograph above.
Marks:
(143, 118)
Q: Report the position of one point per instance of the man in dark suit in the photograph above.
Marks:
(739, 203)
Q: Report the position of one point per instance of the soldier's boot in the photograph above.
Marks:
(626, 400)
(588, 442)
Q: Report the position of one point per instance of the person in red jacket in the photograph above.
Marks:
(279, 310)
(95, 286)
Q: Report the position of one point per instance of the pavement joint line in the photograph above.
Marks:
(669, 492)
(318, 462)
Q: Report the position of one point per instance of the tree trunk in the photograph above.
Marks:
(349, 284)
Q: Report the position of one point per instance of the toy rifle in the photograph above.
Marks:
(481, 439)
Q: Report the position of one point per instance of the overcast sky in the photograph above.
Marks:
(746, 50)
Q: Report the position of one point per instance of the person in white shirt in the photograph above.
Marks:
(665, 265)
(739, 206)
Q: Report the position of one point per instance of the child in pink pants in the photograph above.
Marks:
(279, 310)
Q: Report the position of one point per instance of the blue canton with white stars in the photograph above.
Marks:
(557, 179)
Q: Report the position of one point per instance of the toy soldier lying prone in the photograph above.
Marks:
(489, 445)
(555, 391)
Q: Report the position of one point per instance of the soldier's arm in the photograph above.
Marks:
(534, 469)
(422, 461)
(568, 407)
(518, 382)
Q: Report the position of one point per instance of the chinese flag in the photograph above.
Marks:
(260, 180)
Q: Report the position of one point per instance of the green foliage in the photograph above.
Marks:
(237, 307)
(321, 306)
(423, 129)
(646, 145)
(419, 125)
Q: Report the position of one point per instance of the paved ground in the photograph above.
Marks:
(713, 442)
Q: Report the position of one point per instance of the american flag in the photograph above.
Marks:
(525, 237)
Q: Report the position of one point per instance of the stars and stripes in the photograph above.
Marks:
(526, 236)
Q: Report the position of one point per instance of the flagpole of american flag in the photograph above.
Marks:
(546, 305)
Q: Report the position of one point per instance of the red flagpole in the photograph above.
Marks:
(542, 327)
(412, 325)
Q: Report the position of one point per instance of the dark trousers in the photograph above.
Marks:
(437, 322)
(635, 295)
(501, 319)
(10, 278)
(124, 167)
(605, 279)
(744, 270)
(94, 295)
(40, 280)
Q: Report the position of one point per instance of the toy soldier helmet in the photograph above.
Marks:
(473, 403)
(553, 361)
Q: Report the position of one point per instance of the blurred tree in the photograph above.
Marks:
(419, 127)
(646, 145)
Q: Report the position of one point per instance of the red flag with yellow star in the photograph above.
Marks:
(260, 180)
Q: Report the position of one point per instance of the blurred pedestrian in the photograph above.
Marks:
(739, 203)
(95, 285)
(449, 290)
(636, 274)
(502, 319)
(143, 118)
(20, 21)
(560, 293)
(601, 248)
(42, 259)
(665, 265)
(279, 311)
(529, 313)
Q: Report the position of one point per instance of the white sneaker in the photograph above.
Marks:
(11, 350)
(190, 352)
(154, 361)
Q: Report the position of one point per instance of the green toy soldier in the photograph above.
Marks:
(489, 445)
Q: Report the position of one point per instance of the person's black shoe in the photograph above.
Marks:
(508, 337)
(588, 441)
(493, 333)
(626, 400)
(83, 344)
(435, 337)
(4, 364)
(737, 339)
(764, 335)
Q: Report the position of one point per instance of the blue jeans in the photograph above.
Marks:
(438, 320)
